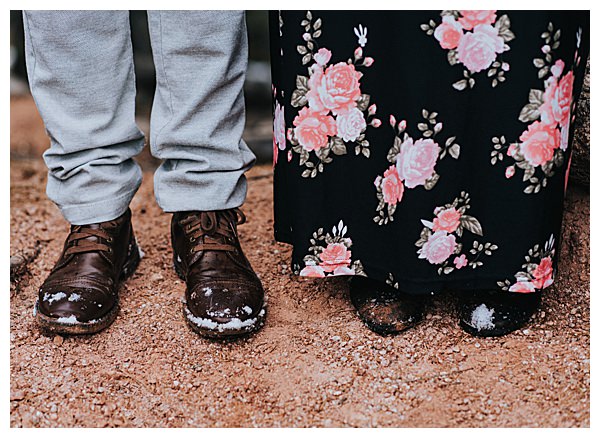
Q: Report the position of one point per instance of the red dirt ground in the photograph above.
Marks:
(314, 363)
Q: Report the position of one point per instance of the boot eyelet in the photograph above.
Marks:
(192, 239)
(109, 239)
(110, 250)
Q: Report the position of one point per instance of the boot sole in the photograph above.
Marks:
(52, 325)
(214, 330)
(385, 330)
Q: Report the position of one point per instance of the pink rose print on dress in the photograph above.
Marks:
(330, 254)
(543, 274)
(279, 126)
(522, 286)
(564, 136)
(391, 186)
(413, 163)
(322, 57)
(548, 115)
(350, 124)
(537, 271)
(478, 49)
(557, 98)
(474, 39)
(438, 247)
(539, 142)
(416, 161)
(334, 256)
(447, 220)
(312, 271)
(449, 32)
(279, 131)
(439, 239)
(344, 270)
(313, 129)
(334, 112)
(471, 19)
(337, 89)
(275, 153)
(460, 262)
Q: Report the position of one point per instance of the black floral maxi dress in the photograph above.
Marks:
(428, 150)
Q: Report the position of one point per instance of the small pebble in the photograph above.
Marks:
(156, 277)
(17, 396)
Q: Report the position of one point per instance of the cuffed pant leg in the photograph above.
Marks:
(198, 114)
(80, 69)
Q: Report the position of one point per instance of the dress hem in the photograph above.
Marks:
(423, 286)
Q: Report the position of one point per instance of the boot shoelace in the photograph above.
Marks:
(79, 240)
(211, 229)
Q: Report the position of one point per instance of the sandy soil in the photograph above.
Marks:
(314, 364)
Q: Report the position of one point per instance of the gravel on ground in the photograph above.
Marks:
(313, 364)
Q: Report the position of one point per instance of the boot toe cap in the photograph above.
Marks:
(74, 305)
(223, 300)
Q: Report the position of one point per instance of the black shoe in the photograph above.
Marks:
(382, 308)
(496, 313)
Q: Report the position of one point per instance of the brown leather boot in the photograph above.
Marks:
(80, 295)
(224, 296)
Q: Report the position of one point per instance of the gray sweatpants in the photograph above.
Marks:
(80, 69)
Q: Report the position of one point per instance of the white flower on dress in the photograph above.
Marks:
(279, 126)
(361, 33)
(331, 254)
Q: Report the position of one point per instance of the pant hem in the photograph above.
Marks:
(200, 206)
(100, 211)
